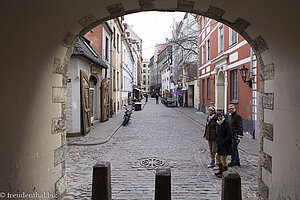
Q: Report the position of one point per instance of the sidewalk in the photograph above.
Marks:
(100, 133)
(247, 144)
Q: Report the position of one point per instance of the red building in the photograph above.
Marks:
(223, 52)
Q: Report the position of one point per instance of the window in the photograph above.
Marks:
(221, 39)
(203, 22)
(208, 49)
(144, 65)
(203, 88)
(114, 79)
(232, 37)
(208, 88)
(234, 85)
(118, 80)
(203, 54)
(118, 38)
(114, 40)
(106, 48)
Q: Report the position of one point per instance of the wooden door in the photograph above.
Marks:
(105, 100)
(85, 103)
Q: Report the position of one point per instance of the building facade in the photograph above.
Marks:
(116, 64)
(223, 52)
(86, 73)
(145, 76)
(164, 64)
(136, 47)
(128, 68)
(186, 58)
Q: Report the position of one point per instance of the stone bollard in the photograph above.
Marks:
(163, 184)
(101, 181)
(231, 186)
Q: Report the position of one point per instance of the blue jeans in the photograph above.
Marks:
(235, 152)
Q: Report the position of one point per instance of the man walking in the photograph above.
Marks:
(236, 122)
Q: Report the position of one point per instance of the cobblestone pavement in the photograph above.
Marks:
(162, 133)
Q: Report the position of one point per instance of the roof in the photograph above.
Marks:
(82, 48)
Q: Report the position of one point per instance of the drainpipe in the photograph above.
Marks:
(251, 64)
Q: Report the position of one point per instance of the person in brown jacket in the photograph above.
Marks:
(211, 135)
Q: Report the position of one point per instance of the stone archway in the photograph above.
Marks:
(36, 99)
(258, 45)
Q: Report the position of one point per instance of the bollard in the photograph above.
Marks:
(163, 184)
(231, 186)
(101, 181)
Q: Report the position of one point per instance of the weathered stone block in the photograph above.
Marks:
(61, 186)
(266, 161)
(116, 10)
(63, 110)
(68, 39)
(59, 94)
(63, 138)
(263, 190)
(240, 24)
(215, 13)
(259, 45)
(87, 20)
(59, 155)
(147, 4)
(185, 5)
(267, 130)
(268, 101)
(58, 125)
(267, 72)
(63, 168)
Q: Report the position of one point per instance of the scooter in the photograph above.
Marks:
(127, 115)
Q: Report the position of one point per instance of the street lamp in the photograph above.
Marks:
(244, 72)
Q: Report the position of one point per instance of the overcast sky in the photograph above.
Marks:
(152, 27)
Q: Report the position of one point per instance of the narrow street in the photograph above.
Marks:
(171, 135)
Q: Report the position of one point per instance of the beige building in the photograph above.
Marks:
(116, 66)
(145, 76)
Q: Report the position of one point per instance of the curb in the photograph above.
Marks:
(96, 142)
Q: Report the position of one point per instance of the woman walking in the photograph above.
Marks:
(210, 134)
(224, 134)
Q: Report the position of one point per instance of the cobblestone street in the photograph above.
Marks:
(173, 135)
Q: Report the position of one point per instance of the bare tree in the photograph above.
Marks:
(185, 40)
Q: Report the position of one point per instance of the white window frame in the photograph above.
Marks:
(203, 53)
(231, 33)
(203, 22)
(208, 49)
(221, 40)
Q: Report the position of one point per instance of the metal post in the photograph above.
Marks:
(231, 186)
(163, 184)
(101, 188)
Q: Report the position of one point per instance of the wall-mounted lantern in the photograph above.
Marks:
(244, 73)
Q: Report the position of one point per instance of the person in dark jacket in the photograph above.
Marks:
(224, 139)
(156, 97)
(210, 134)
(236, 122)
